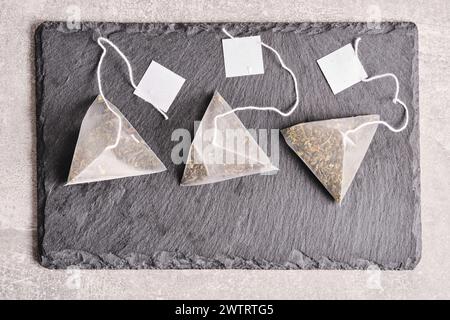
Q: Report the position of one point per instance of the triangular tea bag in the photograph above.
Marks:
(330, 154)
(94, 158)
(224, 150)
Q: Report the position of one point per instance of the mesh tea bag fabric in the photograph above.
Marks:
(100, 154)
(223, 151)
(329, 152)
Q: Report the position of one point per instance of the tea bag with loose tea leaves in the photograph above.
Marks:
(332, 149)
(108, 147)
(223, 149)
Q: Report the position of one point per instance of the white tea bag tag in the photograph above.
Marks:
(342, 68)
(243, 56)
(159, 86)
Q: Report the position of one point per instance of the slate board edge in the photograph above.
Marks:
(175, 260)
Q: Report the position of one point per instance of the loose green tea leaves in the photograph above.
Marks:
(95, 160)
(224, 150)
(322, 148)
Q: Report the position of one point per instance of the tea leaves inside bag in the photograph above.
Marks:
(93, 160)
(235, 153)
(322, 148)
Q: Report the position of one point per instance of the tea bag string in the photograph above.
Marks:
(100, 88)
(396, 100)
(284, 114)
(130, 69)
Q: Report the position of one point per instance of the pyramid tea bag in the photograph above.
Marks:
(224, 150)
(334, 149)
(108, 147)
(331, 150)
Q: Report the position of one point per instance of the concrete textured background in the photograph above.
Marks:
(22, 277)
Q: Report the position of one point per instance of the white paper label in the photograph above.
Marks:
(243, 56)
(342, 68)
(159, 86)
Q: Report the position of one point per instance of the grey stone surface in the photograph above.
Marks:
(283, 221)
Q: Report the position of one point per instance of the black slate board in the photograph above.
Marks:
(283, 221)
